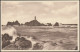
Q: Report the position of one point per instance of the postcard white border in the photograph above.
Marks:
(50, 50)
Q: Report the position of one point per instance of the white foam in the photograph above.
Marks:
(11, 31)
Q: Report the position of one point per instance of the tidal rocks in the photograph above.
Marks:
(6, 40)
(37, 46)
(11, 31)
(11, 47)
(76, 48)
(19, 44)
(23, 43)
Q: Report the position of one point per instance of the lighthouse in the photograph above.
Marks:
(35, 18)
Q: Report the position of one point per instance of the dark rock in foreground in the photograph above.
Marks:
(11, 47)
(22, 43)
(6, 40)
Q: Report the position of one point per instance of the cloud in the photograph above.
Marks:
(67, 12)
(45, 11)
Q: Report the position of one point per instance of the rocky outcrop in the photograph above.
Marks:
(13, 23)
(22, 43)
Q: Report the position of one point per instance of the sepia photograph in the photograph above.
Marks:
(39, 25)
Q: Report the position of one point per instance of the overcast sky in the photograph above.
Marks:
(45, 11)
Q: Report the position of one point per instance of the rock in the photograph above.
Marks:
(37, 46)
(11, 47)
(76, 48)
(22, 43)
(5, 43)
(6, 40)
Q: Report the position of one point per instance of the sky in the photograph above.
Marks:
(45, 11)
